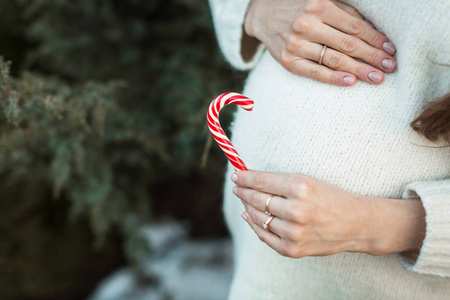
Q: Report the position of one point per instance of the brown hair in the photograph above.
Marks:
(434, 121)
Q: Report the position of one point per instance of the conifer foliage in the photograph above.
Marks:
(81, 140)
(106, 118)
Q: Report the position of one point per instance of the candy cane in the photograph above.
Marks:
(216, 130)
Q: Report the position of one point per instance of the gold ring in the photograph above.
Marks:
(267, 222)
(267, 205)
(321, 54)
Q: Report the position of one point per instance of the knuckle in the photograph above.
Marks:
(376, 38)
(295, 251)
(283, 252)
(291, 214)
(336, 61)
(259, 181)
(304, 189)
(254, 200)
(291, 67)
(292, 211)
(373, 56)
(290, 252)
(315, 6)
(376, 249)
(253, 215)
(293, 182)
(361, 71)
(293, 43)
(301, 24)
(300, 45)
(349, 44)
(295, 233)
(355, 26)
(286, 250)
(285, 59)
(376, 253)
(299, 252)
(336, 79)
(302, 216)
(315, 74)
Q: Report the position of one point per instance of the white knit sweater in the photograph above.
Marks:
(357, 138)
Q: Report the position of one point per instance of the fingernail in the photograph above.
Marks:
(389, 47)
(374, 77)
(244, 216)
(348, 80)
(235, 190)
(388, 64)
(234, 178)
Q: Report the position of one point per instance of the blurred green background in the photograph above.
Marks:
(102, 130)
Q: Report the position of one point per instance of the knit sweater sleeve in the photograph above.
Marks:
(434, 257)
(228, 17)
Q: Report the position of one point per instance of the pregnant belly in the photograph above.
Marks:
(357, 138)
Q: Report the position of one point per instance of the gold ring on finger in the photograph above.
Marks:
(267, 205)
(267, 222)
(321, 54)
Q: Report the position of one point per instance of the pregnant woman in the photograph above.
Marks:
(348, 202)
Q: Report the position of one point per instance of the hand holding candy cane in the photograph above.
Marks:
(216, 130)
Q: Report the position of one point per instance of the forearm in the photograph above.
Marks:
(395, 226)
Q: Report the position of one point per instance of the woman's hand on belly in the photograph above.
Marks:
(315, 218)
(295, 31)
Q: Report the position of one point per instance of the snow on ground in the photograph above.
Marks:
(176, 269)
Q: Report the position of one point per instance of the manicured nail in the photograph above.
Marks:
(234, 178)
(374, 77)
(244, 216)
(348, 80)
(235, 190)
(388, 64)
(389, 47)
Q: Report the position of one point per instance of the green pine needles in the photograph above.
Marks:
(77, 139)
(114, 131)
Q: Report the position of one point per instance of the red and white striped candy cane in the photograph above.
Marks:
(216, 130)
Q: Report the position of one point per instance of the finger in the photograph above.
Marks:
(305, 67)
(258, 201)
(276, 226)
(353, 47)
(341, 62)
(349, 9)
(353, 11)
(267, 182)
(294, 61)
(347, 23)
(271, 239)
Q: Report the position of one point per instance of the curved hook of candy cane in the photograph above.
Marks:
(217, 131)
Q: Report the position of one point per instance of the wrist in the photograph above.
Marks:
(396, 226)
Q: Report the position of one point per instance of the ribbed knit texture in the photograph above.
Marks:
(435, 254)
(357, 138)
